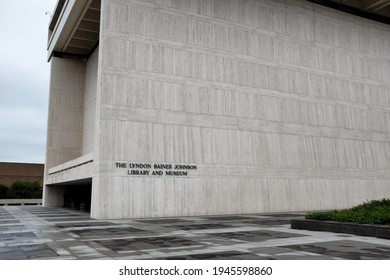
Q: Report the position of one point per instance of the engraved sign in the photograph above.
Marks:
(156, 169)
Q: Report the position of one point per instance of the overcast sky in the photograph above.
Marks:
(24, 79)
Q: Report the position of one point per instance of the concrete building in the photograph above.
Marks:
(17, 171)
(200, 107)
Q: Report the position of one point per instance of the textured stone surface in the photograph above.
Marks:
(282, 105)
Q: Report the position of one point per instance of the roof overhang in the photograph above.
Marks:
(378, 10)
(74, 28)
(75, 24)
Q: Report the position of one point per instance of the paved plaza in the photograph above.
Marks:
(36, 232)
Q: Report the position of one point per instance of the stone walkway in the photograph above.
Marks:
(36, 232)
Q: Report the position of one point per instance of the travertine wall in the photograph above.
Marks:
(90, 103)
(65, 120)
(281, 105)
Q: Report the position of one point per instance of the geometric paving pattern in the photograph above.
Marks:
(140, 244)
(255, 236)
(36, 232)
(351, 250)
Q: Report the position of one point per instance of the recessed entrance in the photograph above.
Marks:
(74, 195)
(78, 197)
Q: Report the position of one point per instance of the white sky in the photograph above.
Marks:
(24, 79)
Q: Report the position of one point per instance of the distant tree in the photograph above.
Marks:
(3, 191)
(25, 189)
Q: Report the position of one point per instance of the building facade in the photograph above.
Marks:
(165, 108)
(11, 172)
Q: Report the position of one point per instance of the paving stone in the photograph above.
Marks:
(37, 232)
(227, 255)
(84, 224)
(17, 236)
(35, 251)
(146, 243)
(160, 221)
(345, 249)
(2, 222)
(268, 222)
(227, 218)
(255, 236)
(66, 219)
(7, 228)
(200, 226)
(111, 232)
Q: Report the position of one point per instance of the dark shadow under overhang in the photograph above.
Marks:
(74, 28)
(378, 10)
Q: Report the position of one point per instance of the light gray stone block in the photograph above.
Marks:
(281, 105)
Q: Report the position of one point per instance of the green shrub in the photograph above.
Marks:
(25, 189)
(373, 212)
(3, 192)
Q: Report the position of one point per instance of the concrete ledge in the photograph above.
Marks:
(342, 227)
(82, 160)
(22, 201)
